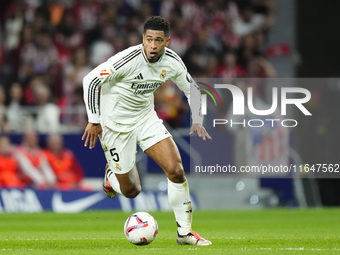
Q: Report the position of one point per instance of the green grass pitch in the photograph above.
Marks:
(283, 231)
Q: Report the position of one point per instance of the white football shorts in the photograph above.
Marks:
(120, 148)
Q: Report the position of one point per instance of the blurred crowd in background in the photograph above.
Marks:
(29, 165)
(48, 46)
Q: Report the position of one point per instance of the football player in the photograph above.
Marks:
(127, 118)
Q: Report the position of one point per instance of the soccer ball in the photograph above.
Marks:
(141, 228)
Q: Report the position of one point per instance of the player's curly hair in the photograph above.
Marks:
(157, 23)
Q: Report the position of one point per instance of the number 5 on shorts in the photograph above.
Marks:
(114, 155)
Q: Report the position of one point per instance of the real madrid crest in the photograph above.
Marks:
(104, 147)
(162, 75)
(118, 167)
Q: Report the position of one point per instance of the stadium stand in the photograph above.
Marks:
(48, 46)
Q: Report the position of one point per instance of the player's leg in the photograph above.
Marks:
(127, 184)
(121, 174)
(156, 141)
(166, 155)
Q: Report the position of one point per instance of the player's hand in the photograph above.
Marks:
(92, 131)
(200, 131)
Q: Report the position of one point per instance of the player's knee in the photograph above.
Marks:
(176, 174)
(132, 192)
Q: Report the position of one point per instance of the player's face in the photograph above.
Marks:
(154, 42)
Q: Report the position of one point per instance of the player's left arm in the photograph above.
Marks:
(196, 127)
(185, 82)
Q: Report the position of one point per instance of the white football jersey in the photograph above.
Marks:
(128, 81)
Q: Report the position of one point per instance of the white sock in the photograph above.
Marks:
(179, 198)
(114, 181)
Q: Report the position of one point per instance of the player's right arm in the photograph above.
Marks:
(91, 83)
(115, 67)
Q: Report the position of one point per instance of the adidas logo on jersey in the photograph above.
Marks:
(139, 77)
